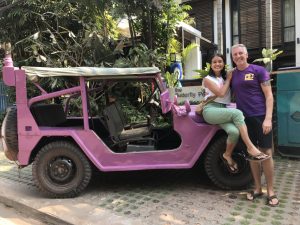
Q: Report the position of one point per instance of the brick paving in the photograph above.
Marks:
(163, 198)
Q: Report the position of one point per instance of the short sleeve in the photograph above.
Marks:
(263, 74)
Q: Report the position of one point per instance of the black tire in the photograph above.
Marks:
(10, 134)
(61, 170)
(218, 172)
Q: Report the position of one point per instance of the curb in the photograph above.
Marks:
(33, 213)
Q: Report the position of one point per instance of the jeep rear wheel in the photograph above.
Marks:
(61, 170)
(10, 134)
(218, 172)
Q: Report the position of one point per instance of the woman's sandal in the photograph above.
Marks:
(252, 195)
(259, 157)
(232, 167)
(270, 202)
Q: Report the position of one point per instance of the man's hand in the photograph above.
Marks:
(267, 126)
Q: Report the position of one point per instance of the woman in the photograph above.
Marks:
(229, 119)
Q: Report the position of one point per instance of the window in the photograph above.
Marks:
(235, 21)
(289, 20)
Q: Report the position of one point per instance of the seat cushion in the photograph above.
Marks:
(197, 118)
(135, 133)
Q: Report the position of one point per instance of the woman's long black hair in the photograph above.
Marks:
(223, 71)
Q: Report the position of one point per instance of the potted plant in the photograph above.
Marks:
(269, 55)
(171, 82)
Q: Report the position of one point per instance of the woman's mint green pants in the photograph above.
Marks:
(228, 119)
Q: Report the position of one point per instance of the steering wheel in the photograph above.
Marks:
(150, 100)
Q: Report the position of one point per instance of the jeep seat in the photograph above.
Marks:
(131, 125)
(116, 126)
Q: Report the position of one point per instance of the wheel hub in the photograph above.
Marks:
(61, 170)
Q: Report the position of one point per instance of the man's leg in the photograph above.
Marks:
(265, 142)
(256, 173)
(268, 168)
(253, 127)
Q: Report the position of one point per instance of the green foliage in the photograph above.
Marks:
(174, 46)
(131, 113)
(154, 20)
(58, 33)
(269, 55)
(82, 33)
(65, 33)
(204, 72)
(171, 79)
(187, 50)
(141, 56)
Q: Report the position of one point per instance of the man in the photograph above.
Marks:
(252, 88)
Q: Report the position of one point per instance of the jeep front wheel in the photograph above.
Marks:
(61, 170)
(219, 173)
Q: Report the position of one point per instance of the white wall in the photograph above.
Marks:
(216, 30)
(297, 31)
(192, 62)
(228, 34)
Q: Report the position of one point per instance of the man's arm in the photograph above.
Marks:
(267, 90)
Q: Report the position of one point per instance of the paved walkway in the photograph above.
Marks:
(154, 197)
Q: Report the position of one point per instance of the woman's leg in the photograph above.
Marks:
(215, 115)
(239, 120)
(233, 137)
(252, 150)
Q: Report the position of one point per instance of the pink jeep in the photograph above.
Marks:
(64, 146)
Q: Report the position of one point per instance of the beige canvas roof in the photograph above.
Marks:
(95, 72)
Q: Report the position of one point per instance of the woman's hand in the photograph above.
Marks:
(229, 74)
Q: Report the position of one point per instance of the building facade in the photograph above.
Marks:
(256, 23)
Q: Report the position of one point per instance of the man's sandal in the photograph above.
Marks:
(258, 158)
(252, 195)
(270, 202)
